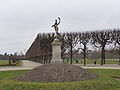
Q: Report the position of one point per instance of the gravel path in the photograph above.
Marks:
(26, 64)
(97, 66)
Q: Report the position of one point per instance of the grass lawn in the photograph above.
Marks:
(98, 61)
(6, 63)
(104, 82)
(3, 62)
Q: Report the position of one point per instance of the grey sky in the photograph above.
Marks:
(22, 20)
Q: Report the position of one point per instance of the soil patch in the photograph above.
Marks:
(57, 72)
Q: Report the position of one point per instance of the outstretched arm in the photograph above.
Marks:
(59, 21)
(52, 25)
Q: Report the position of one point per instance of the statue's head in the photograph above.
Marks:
(55, 20)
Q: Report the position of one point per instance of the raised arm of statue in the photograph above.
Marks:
(59, 21)
(56, 22)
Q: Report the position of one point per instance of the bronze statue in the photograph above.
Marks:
(56, 27)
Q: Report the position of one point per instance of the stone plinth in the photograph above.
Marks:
(56, 51)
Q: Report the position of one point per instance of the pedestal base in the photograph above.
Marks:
(56, 51)
(57, 61)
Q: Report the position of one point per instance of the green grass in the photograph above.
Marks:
(104, 82)
(3, 62)
(6, 63)
(98, 61)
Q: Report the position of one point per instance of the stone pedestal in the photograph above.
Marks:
(56, 51)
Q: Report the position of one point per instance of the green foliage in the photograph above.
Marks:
(104, 82)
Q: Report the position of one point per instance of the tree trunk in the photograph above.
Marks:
(103, 56)
(71, 55)
(84, 53)
(10, 60)
(71, 50)
(119, 55)
(50, 57)
(43, 57)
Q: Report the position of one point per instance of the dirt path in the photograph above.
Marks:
(97, 66)
(26, 64)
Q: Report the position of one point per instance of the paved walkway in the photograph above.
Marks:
(97, 66)
(26, 65)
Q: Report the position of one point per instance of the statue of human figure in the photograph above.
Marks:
(56, 27)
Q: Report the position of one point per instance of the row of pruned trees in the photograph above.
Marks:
(13, 58)
(74, 42)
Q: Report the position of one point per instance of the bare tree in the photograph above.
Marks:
(71, 41)
(84, 39)
(100, 39)
(116, 38)
(64, 46)
(50, 38)
(45, 46)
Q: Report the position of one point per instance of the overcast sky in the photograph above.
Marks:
(22, 20)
